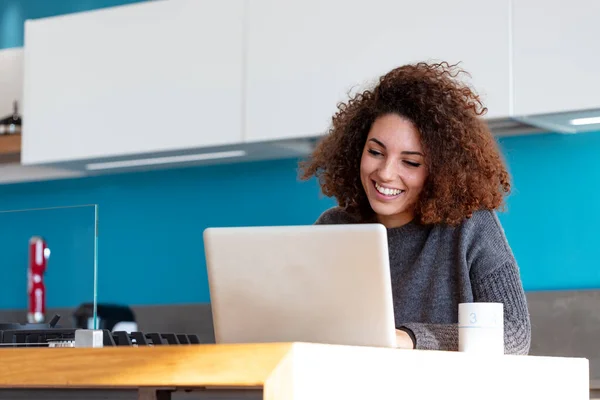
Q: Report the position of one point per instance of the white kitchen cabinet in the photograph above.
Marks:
(146, 78)
(11, 80)
(556, 55)
(304, 56)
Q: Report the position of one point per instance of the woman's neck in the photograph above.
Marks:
(395, 221)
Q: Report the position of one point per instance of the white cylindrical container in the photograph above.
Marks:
(481, 328)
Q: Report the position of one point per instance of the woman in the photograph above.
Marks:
(413, 155)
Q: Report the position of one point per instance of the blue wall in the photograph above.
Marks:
(151, 223)
(552, 220)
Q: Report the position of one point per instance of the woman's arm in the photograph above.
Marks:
(503, 285)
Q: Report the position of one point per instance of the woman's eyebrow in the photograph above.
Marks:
(416, 153)
(377, 141)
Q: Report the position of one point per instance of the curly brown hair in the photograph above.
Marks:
(466, 170)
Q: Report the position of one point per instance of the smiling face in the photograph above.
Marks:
(392, 169)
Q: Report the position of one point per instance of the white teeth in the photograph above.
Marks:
(387, 191)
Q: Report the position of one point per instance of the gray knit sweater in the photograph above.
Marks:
(436, 267)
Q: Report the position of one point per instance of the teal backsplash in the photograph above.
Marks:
(151, 223)
(552, 218)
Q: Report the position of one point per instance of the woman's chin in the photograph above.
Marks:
(385, 210)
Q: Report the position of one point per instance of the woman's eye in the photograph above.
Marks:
(374, 152)
(412, 163)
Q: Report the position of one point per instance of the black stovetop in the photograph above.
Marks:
(52, 335)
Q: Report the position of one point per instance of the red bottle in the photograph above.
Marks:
(38, 257)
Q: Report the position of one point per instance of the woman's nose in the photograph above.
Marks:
(388, 171)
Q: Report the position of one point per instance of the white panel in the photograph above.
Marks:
(16, 173)
(11, 80)
(149, 77)
(361, 372)
(556, 55)
(304, 56)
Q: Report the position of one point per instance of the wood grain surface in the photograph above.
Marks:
(129, 367)
(10, 144)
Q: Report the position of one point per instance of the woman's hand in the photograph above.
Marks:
(403, 340)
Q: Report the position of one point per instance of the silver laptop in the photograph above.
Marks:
(318, 283)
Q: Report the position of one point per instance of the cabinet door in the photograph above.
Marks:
(556, 56)
(144, 78)
(303, 57)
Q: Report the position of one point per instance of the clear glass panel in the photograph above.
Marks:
(49, 264)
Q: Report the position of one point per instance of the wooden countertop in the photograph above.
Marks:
(299, 371)
(10, 148)
(126, 367)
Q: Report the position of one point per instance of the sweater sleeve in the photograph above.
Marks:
(503, 285)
